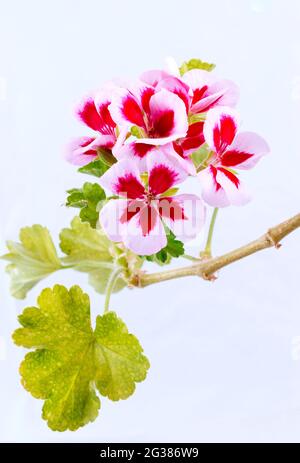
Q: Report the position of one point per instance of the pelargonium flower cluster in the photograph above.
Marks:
(157, 132)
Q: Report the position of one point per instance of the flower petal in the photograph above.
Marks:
(145, 234)
(110, 218)
(236, 191)
(246, 151)
(168, 118)
(175, 154)
(220, 93)
(193, 140)
(125, 109)
(153, 77)
(171, 66)
(163, 171)
(220, 188)
(220, 128)
(197, 78)
(212, 192)
(176, 86)
(80, 151)
(136, 152)
(120, 141)
(102, 102)
(123, 179)
(183, 214)
(87, 113)
(209, 92)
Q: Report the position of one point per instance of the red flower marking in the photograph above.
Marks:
(199, 93)
(89, 115)
(232, 158)
(214, 172)
(108, 125)
(161, 178)
(132, 111)
(148, 218)
(224, 133)
(141, 149)
(133, 207)
(131, 186)
(163, 124)
(233, 178)
(147, 93)
(171, 209)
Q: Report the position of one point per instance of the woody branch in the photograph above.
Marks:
(207, 268)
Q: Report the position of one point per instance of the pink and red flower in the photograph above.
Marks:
(160, 115)
(200, 91)
(207, 91)
(137, 219)
(94, 112)
(152, 129)
(229, 150)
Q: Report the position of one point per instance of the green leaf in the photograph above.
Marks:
(88, 199)
(119, 358)
(71, 360)
(31, 260)
(96, 168)
(161, 258)
(89, 250)
(195, 63)
(174, 248)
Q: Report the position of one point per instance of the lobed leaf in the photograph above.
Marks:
(31, 260)
(71, 360)
(89, 250)
(88, 199)
(96, 168)
(174, 248)
(100, 165)
(120, 363)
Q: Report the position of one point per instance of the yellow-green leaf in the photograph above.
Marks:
(71, 360)
(119, 358)
(31, 260)
(89, 250)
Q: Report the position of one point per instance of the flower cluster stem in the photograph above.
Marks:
(110, 287)
(207, 250)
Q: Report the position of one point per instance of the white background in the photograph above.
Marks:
(225, 357)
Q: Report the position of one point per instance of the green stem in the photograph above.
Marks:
(110, 287)
(192, 258)
(207, 249)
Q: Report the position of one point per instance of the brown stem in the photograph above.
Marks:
(207, 268)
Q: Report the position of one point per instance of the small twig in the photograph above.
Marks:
(192, 258)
